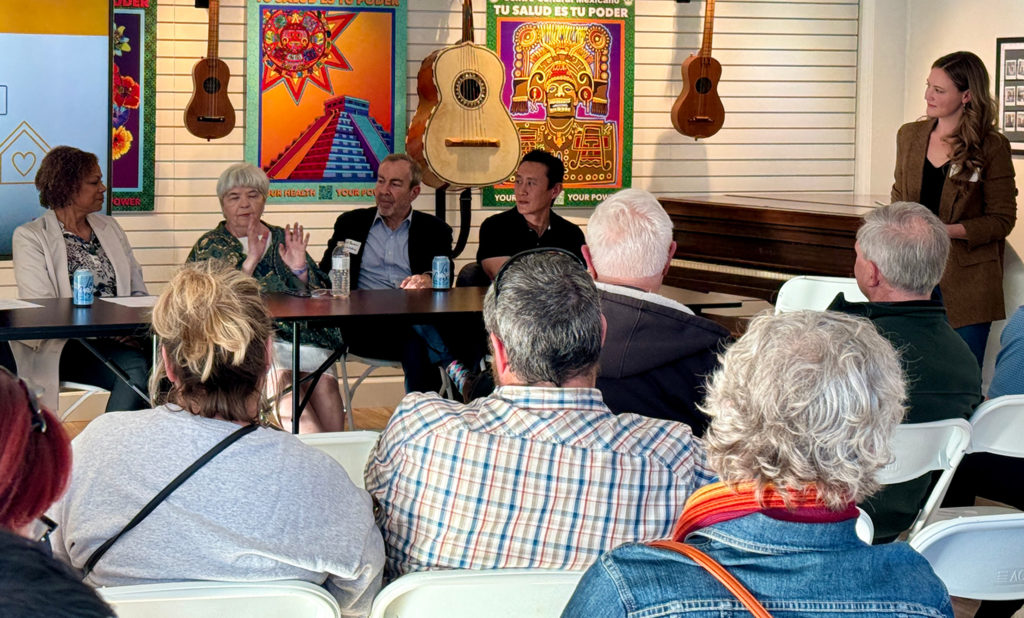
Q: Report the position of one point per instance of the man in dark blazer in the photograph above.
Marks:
(393, 246)
(398, 184)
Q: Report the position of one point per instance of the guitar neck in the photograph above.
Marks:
(214, 27)
(467, 21)
(709, 20)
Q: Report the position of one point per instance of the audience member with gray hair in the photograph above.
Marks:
(802, 413)
(656, 353)
(539, 474)
(901, 251)
(908, 245)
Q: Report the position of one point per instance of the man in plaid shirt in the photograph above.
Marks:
(541, 473)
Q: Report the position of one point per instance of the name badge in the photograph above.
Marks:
(352, 246)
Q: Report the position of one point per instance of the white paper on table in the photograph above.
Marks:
(13, 303)
(131, 301)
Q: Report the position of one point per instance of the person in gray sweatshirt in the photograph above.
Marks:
(266, 507)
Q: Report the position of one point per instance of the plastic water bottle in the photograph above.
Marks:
(340, 269)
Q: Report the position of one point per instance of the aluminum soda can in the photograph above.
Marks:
(441, 272)
(82, 288)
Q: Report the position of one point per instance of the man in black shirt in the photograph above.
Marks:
(531, 223)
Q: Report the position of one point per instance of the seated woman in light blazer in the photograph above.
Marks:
(72, 234)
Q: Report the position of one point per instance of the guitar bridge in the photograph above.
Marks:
(701, 119)
(472, 143)
(211, 119)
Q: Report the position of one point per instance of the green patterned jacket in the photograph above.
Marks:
(272, 273)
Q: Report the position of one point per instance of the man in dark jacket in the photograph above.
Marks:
(392, 246)
(902, 250)
(656, 352)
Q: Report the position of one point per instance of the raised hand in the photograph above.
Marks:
(293, 251)
(257, 236)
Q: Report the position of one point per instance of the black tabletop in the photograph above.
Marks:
(57, 318)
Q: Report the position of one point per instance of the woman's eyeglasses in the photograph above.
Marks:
(522, 254)
(41, 529)
(38, 420)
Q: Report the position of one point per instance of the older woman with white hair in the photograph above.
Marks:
(277, 258)
(802, 413)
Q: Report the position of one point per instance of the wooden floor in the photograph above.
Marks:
(372, 418)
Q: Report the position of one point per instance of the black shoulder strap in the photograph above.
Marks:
(166, 491)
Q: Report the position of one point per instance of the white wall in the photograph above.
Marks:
(881, 69)
(789, 88)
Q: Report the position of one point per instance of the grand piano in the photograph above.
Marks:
(750, 244)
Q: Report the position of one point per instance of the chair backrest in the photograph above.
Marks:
(920, 448)
(865, 527)
(815, 293)
(497, 593)
(977, 557)
(997, 426)
(295, 599)
(349, 448)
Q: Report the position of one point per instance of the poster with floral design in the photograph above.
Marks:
(133, 105)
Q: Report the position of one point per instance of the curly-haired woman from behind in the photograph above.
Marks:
(803, 408)
(267, 507)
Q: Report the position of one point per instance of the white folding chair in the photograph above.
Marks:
(977, 557)
(85, 392)
(348, 389)
(865, 527)
(815, 293)
(997, 426)
(496, 593)
(349, 448)
(295, 599)
(920, 448)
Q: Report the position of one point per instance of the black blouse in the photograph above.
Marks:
(932, 180)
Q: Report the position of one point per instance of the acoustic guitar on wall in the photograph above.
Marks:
(462, 135)
(698, 111)
(209, 113)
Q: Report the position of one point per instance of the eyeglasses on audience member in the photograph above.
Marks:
(543, 250)
(38, 422)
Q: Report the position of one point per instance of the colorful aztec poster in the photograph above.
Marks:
(569, 89)
(54, 90)
(325, 95)
(133, 105)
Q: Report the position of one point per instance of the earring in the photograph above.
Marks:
(267, 415)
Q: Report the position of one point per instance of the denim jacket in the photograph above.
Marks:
(793, 569)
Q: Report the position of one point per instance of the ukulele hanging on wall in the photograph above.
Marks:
(698, 111)
(462, 135)
(209, 114)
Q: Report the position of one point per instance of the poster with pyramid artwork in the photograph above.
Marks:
(325, 96)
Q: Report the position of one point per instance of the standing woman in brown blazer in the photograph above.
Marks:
(957, 164)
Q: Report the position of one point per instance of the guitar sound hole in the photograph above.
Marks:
(470, 90)
(703, 85)
(211, 85)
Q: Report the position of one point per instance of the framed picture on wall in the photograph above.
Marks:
(1009, 89)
